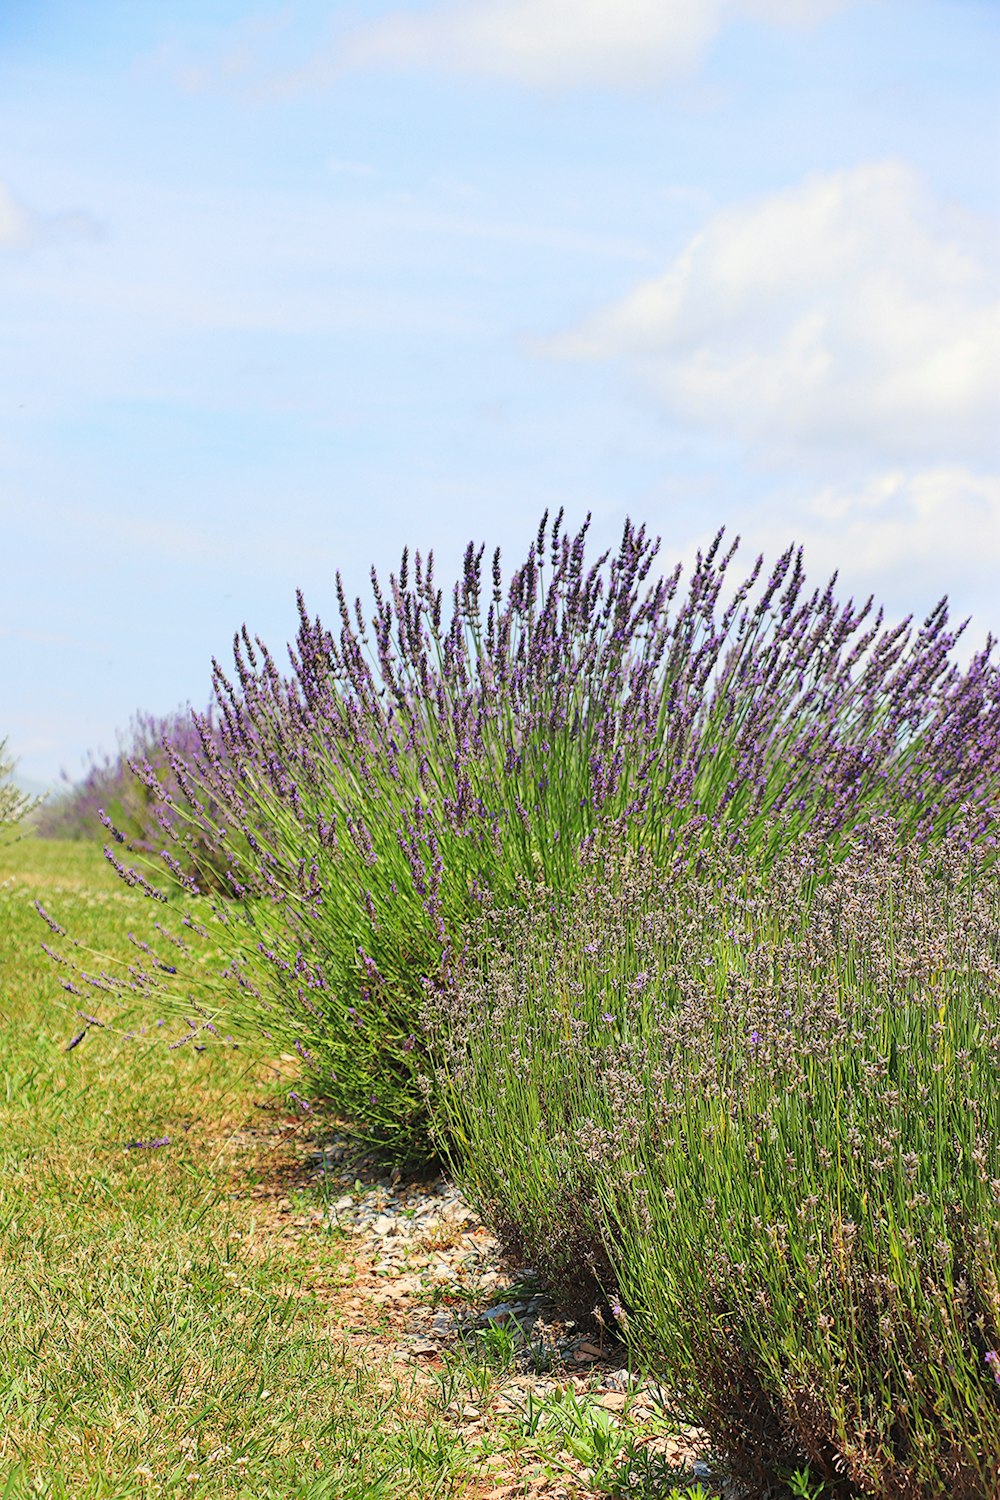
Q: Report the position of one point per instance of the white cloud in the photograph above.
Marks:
(907, 536)
(567, 42)
(19, 227)
(923, 524)
(341, 167)
(243, 53)
(850, 313)
(790, 12)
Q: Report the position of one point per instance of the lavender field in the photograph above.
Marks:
(664, 911)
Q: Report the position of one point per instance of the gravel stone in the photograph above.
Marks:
(416, 1242)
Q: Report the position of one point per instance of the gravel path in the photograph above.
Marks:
(432, 1274)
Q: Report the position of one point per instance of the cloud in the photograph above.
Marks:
(239, 57)
(341, 167)
(566, 43)
(922, 524)
(906, 536)
(850, 314)
(898, 520)
(21, 228)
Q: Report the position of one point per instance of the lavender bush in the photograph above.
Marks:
(117, 790)
(763, 1109)
(420, 757)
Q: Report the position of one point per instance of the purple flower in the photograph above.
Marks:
(50, 922)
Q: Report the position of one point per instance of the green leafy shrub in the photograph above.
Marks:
(15, 805)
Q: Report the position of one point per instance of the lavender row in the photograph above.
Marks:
(752, 1117)
(669, 915)
(359, 803)
(112, 794)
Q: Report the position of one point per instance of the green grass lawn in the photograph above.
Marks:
(155, 1339)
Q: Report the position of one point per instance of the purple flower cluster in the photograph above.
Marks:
(586, 693)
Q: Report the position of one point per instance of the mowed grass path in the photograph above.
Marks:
(155, 1337)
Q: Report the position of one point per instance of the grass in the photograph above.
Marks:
(166, 1329)
(157, 1337)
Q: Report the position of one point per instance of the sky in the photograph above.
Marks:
(286, 288)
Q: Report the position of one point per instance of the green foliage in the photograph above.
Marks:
(802, 1488)
(15, 805)
(591, 1435)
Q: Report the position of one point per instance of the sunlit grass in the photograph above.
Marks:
(155, 1338)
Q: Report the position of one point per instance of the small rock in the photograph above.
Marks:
(613, 1400)
(502, 1313)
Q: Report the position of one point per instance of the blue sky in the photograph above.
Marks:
(285, 289)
